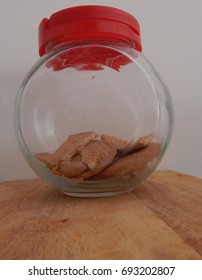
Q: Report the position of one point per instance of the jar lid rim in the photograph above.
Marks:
(90, 21)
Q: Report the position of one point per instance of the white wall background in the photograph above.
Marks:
(172, 40)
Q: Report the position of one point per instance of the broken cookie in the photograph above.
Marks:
(115, 142)
(141, 143)
(132, 162)
(71, 168)
(96, 155)
(73, 143)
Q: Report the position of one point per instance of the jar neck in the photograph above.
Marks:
(55, 45)
(101, 53)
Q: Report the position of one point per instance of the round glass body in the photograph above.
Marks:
(108, 88)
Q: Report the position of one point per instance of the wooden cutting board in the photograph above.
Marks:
(161, 219)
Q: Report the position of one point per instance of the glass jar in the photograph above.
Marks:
(92, 117)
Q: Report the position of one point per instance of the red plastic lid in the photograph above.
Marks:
(83, 22)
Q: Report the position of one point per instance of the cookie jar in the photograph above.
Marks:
(92, 117)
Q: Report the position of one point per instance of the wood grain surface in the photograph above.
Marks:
(161, 219)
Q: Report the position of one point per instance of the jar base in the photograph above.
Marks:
(95, 195)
